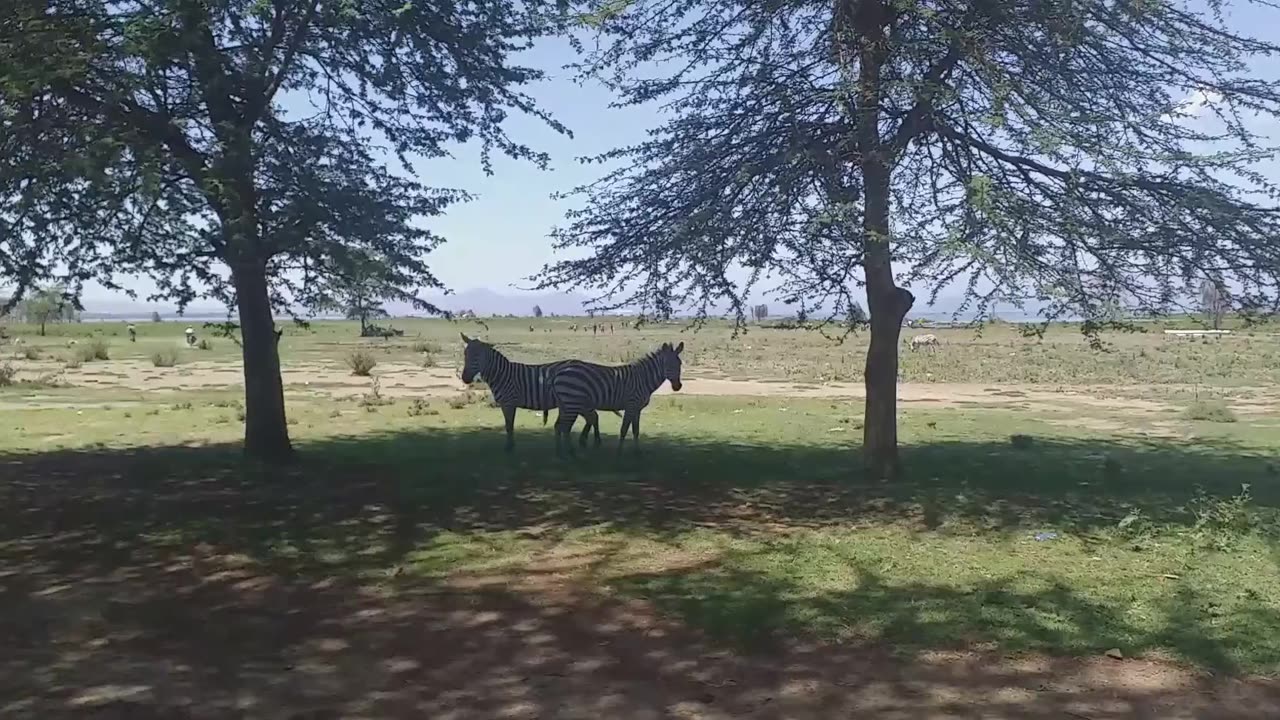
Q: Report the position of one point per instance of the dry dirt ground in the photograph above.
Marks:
(408, 380)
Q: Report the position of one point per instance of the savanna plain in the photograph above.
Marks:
(1079, 533)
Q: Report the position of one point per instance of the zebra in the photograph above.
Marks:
(924, 340)
(582, 388)
(515, 385)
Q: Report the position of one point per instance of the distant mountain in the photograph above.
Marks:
(483, 301)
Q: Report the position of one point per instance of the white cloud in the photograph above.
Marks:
(1193, 106)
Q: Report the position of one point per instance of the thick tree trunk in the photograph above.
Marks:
(860, 30)
(266, 432)
(880, 423)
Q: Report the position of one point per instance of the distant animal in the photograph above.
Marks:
(514, 385)
(530, 328)
(921, 340)
(582, 388)
(71, 342)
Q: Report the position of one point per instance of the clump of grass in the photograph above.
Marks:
(459, 402)
(426, 346)
(7, 374)
(73, 362)
(164, 358)
(420, 407)
(373, 399)
(428, 360)
(30, 353)
(361, 363)
(204, 344)
(1021, 442)
(95, 349)
(1211, 410)
(183, 406)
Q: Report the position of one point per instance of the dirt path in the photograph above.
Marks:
(408, 380)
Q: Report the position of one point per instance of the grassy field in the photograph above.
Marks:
(1058, 501)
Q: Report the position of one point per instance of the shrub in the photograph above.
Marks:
(1211, 410)
(30, 353)
(1021, 442)
(421, 407)
(73, 362)
(7, 373)
(164, 358)
(426, 346)
(361, 363)
(204, 344)
(95, 349)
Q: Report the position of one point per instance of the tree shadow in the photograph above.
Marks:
(249, 587)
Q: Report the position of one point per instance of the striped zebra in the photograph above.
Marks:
(582, 388)
(515, 385)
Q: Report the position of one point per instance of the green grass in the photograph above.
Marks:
(746, 518)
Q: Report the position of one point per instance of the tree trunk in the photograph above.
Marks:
(42, 328)
(266, 432)
(860, 29)
(887, 305)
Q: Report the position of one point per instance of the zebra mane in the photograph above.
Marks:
(652, 355)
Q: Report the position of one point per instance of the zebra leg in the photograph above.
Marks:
(593, 422)
(635, 433)
(564, 431)
(509, 415)
(622, 436)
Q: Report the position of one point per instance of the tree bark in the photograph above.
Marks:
(266, 431)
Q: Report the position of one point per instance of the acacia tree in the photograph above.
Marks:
(235, 148)
(1035, 149)
(47, 305)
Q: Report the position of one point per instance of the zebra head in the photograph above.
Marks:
(669, 359)
(476, 358)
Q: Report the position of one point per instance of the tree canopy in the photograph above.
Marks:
(246, 149)
(1019, 149)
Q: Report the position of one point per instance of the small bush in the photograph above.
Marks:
(426, 346)
(95, 349)
(164, 358)
(7, 373)
(30, 353)
(73, 362)
(421, 407)
(204, 344)
(1021, 442)
(459, 401)
(1211, 410)
(361, 363)
(428, 360)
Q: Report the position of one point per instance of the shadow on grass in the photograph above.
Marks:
(282, 584)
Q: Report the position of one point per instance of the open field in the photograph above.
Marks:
(1059, 503)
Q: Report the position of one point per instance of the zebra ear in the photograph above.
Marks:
(680, 347)
(465, 339)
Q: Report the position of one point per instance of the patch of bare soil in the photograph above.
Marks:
(398, 379)
(211, 635)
